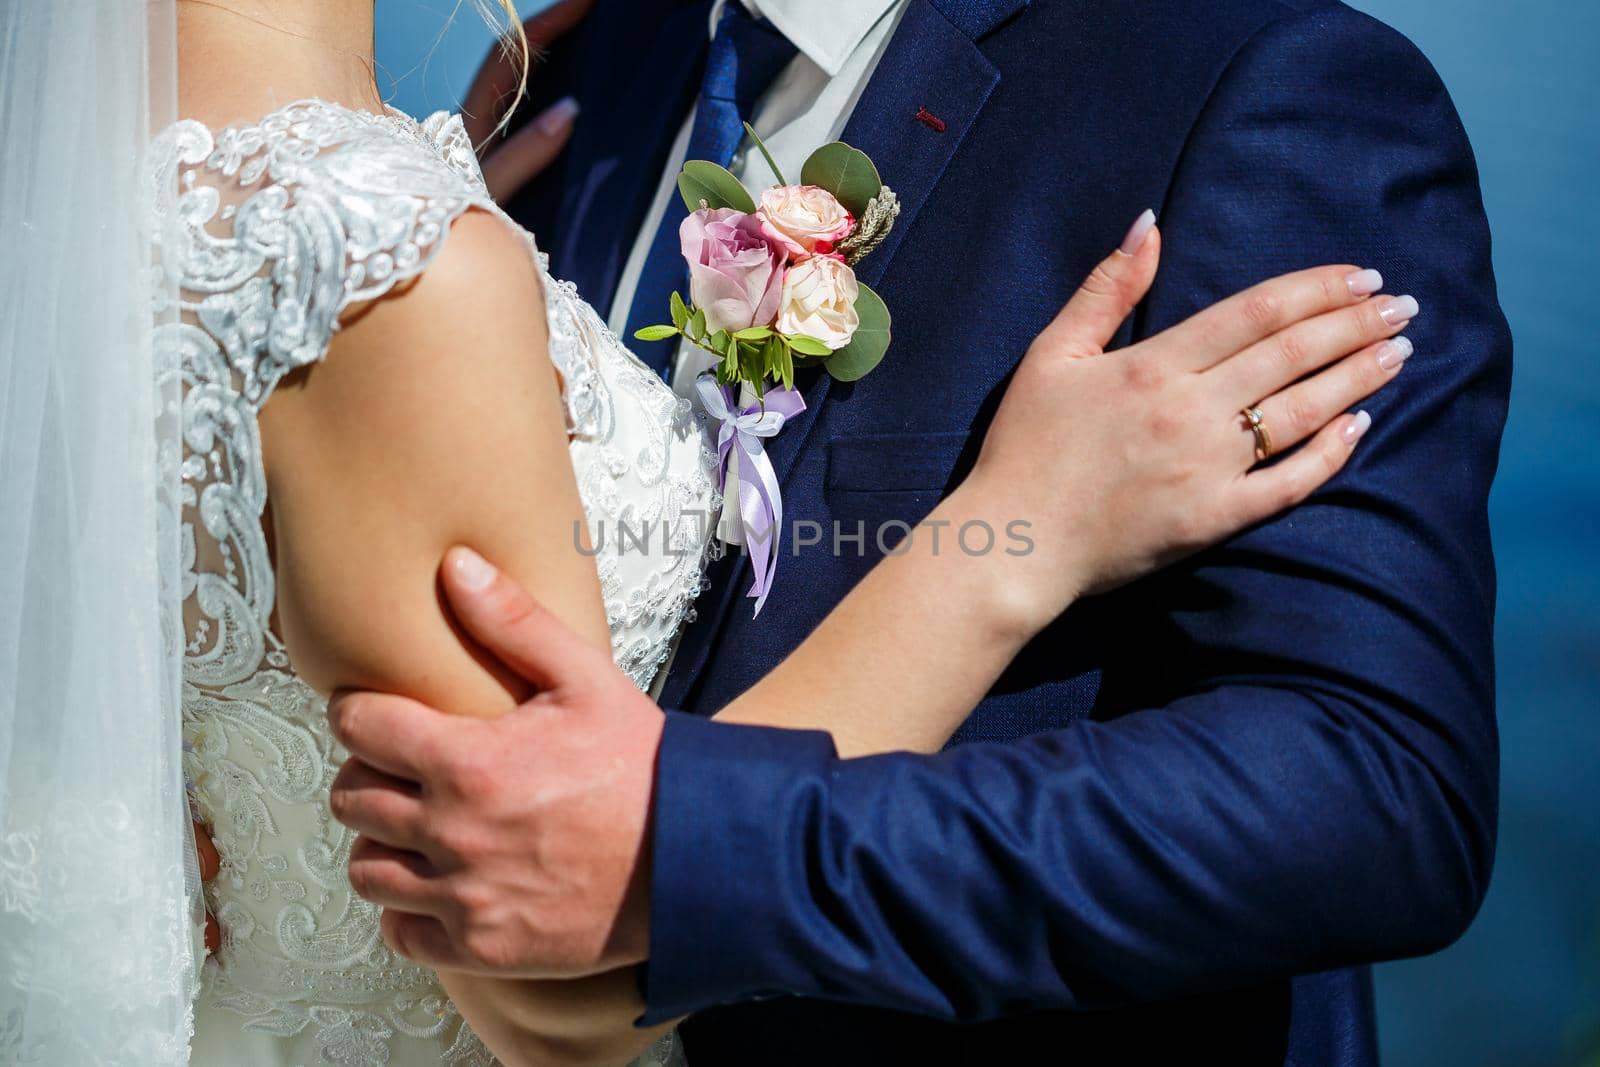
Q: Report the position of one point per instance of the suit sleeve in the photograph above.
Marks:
(1294, 766)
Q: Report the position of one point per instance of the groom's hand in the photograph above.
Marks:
(513, 847)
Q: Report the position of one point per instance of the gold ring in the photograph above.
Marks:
(1258, 426)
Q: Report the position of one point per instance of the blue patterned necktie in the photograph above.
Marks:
(746, 55)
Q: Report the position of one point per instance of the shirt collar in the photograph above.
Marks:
(826, 32)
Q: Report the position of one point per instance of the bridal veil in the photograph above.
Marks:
(99, 893)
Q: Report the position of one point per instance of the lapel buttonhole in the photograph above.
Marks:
(930, 120)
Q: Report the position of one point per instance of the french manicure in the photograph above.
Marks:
(1391, 354)
(1398, 309)
(1357, 428)
(472, 570)
(1364, 282)
(1138, 233)
(557, 117)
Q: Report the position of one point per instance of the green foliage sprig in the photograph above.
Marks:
(761, 354)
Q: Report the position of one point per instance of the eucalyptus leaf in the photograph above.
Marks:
(845, 172)
(809, 346)
(865, 350)
(755, 333)
(656, 333)
(697, 324)
(704, 181)
(680, 312)
(719, 341)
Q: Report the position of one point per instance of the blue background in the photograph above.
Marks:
(1522, 989)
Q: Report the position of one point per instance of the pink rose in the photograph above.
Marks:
(819, 300)
(735, 272)
(804, 219)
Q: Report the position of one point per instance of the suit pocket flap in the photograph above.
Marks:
(890, 463)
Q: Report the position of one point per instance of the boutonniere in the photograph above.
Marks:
(772, 289)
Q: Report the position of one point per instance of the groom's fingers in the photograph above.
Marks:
(384, 808)
(1106, 299)
(392, 878)
(395, 734)
(504, 618)
(421, 939)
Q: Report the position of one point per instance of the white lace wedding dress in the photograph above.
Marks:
(272, 230)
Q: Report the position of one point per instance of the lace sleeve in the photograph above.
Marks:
(278, 229)
(283, 225)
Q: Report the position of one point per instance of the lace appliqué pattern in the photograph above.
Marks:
(279, 227)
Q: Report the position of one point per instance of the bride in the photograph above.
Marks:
(358, 361)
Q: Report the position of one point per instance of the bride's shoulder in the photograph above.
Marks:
(436, 417)
(376, 194)
(407, 198)
(342, 153)
(286, 145)
(350, 268)
(426, 313)
(338, 207)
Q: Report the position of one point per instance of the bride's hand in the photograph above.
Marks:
(210, 865)
(1123, 462)
(511, 160)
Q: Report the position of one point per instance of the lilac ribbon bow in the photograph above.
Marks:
(760, 503)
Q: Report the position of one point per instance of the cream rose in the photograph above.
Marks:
(819, 300)
(802, 217)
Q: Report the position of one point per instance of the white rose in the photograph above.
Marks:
(819, 300)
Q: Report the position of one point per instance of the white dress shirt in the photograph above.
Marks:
(840, 43)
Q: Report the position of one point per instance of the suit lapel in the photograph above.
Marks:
(934, 66)
(931, 63)
(976, 18)
(621, 147)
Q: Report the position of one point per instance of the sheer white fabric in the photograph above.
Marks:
(278, 228)
(98, 892)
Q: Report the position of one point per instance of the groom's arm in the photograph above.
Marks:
(1315, 785)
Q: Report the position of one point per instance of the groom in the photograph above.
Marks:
(1195, 810)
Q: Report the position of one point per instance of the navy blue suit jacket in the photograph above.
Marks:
(1193, 810)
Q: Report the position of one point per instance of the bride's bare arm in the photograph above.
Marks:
(918, 642)
(437, 419)
(434, 418)
(1115, 465)
(1149, 463)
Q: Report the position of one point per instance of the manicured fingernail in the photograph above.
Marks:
(557, 117)
(1357, 429)
(1138, 232)
(472, 570)
(1393, 353)
(1364, 282)
(1398, 309)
